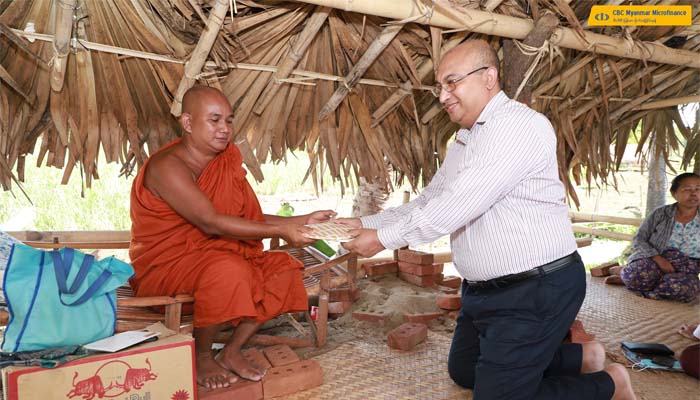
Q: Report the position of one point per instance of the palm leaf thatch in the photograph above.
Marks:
(351, 89)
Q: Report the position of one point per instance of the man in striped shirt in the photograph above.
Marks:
(499, 197)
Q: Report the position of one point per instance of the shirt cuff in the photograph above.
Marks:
(371, 221)
(391, 237)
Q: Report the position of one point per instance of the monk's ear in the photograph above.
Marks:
(186, 122)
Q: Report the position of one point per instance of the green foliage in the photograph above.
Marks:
(60, 207)
(106, 205)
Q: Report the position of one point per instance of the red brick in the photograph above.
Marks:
(453, 315)
(603, 269)
(338, 307)
(407, 336)
(280, 355)
(419, 269)
(243, 390)
(344, 294)
(256, 357)
(454, 282)
(377, 318)
(421, 318)
(292, 378)
(378, 268)
(422, 281)
(415, 257)
(447, 290)
(578, 334)
(449, 301)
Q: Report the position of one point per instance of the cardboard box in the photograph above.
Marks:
(163, 369)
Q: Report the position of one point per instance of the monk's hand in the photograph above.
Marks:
(295, 235)
(354, 222)
(365, 243)
(320, 216)
(665, 266)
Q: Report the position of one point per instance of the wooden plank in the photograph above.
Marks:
(72, 236)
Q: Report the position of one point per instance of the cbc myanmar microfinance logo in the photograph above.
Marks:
(601, 17)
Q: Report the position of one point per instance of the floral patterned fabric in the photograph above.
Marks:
(686, 238)
(646, 278)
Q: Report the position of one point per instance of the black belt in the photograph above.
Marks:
(509, 280)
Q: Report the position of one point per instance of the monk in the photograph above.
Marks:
(197, 228)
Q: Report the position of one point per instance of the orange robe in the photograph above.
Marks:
(230, 279)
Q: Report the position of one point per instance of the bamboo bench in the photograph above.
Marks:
(320, 275)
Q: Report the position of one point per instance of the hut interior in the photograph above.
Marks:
(351, 83)
(348, 82)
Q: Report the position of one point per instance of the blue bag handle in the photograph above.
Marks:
(62, 276)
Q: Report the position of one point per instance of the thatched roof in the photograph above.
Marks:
(349, 88)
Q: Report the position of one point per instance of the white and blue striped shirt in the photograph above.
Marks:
(497, 194)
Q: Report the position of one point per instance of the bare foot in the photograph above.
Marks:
(211, 375)
(623, 385)
(235, 362)
(687, 332)
(614, 280)
(616, 270)
(593, 357)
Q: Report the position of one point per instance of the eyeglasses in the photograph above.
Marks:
(451, 85)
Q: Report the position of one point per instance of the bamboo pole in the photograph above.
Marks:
(514, 28)
(586, 217)
(244, 66)
(602, 233)
(61, 42)
(668, 102)
(296, 52)
(373, 51)
(200, 53)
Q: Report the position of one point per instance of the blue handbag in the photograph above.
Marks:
(60, 298)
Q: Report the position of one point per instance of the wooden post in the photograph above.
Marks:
(200, 53)
(374, 50)
(352, 273)
(173, 312)
(488, 23)
(518, 66)
(64, 10)
(322, 315)
(296, 52)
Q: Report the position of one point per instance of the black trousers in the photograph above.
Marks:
(508, 341)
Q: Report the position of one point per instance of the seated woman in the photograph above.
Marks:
(666, 248)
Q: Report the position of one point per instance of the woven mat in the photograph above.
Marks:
(369, 369)
(614, 314)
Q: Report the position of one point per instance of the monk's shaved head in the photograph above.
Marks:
(196, 96)
(479, 53)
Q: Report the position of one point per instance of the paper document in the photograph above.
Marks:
(122, 340)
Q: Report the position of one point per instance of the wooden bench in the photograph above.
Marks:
(320, 275)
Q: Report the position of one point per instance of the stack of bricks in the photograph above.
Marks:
(379, 268)
(418, 268)
(286, 374)
(341, 299)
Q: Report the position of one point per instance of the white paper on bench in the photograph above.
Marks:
(121, 341)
